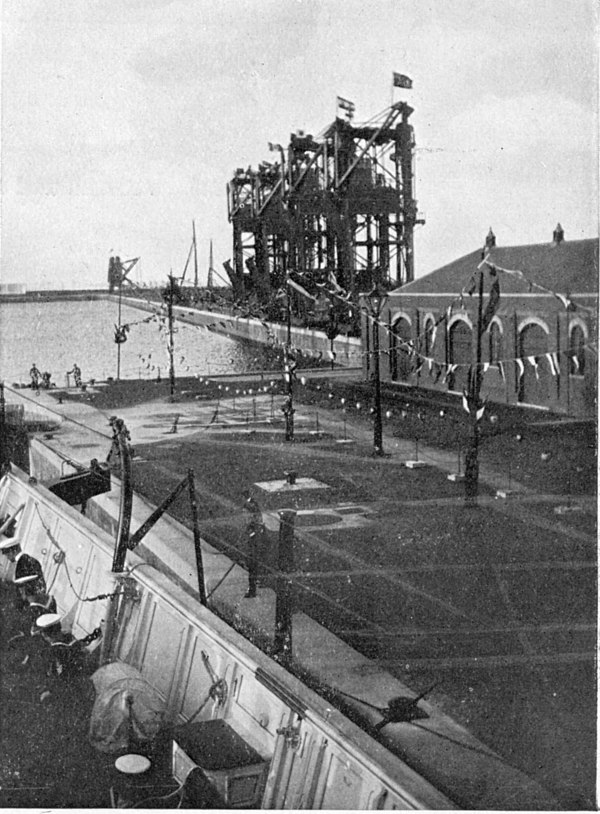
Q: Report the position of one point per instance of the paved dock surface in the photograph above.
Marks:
(497, 602)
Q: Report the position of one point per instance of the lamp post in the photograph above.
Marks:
(332, 331)
(169, 296)
(376, 300)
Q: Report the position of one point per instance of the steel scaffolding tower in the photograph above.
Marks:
(340, 206)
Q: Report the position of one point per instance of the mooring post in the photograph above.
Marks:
(284, 598)
(197, 541)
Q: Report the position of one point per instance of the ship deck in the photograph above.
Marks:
(47, 758)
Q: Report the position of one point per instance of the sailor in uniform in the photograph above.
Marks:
(66, 654)
(40, 603)
(26, 567)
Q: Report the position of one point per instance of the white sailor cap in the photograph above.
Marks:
(8, 542)
(25, 580)
(47, 620)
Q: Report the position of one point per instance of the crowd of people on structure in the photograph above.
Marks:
(63, 653)
(41, 380)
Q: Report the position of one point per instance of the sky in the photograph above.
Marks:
(123, 120)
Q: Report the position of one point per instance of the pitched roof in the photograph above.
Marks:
(569, 266)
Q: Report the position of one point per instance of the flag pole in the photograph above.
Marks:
(472, 456)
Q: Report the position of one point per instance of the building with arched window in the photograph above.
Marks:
(535, 334)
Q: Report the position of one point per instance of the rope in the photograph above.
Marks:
(63, 561)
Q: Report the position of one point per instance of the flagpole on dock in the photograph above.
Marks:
(472, 455)
(170, 322)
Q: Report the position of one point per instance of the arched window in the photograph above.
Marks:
(400, 337)
(577, 351)
(428, 336)
(460, 353)
(534, 379)
(495, 343)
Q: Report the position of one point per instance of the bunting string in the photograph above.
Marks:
(565, 299)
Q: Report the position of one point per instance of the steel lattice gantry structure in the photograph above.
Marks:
(342, 203)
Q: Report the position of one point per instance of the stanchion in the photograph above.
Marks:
(282, 646)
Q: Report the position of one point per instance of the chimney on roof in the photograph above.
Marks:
(558, 235)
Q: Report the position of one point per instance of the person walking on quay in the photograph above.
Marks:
(35, 377)
(76, 371)
(255, 531)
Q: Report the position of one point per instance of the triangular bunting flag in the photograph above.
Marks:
(449, 370)
(533, 362)
(520, 366)
(501, 371)
(575, 362)
(465, 402)
(569, 304)
(551, 364)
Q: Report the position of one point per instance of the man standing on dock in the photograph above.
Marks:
(76, 371)
(35, 377)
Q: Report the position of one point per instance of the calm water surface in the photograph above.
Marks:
(55, 335)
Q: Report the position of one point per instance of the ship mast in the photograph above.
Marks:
(195, 255)
(209, 279)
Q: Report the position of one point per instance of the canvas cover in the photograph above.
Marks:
(126, 708)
